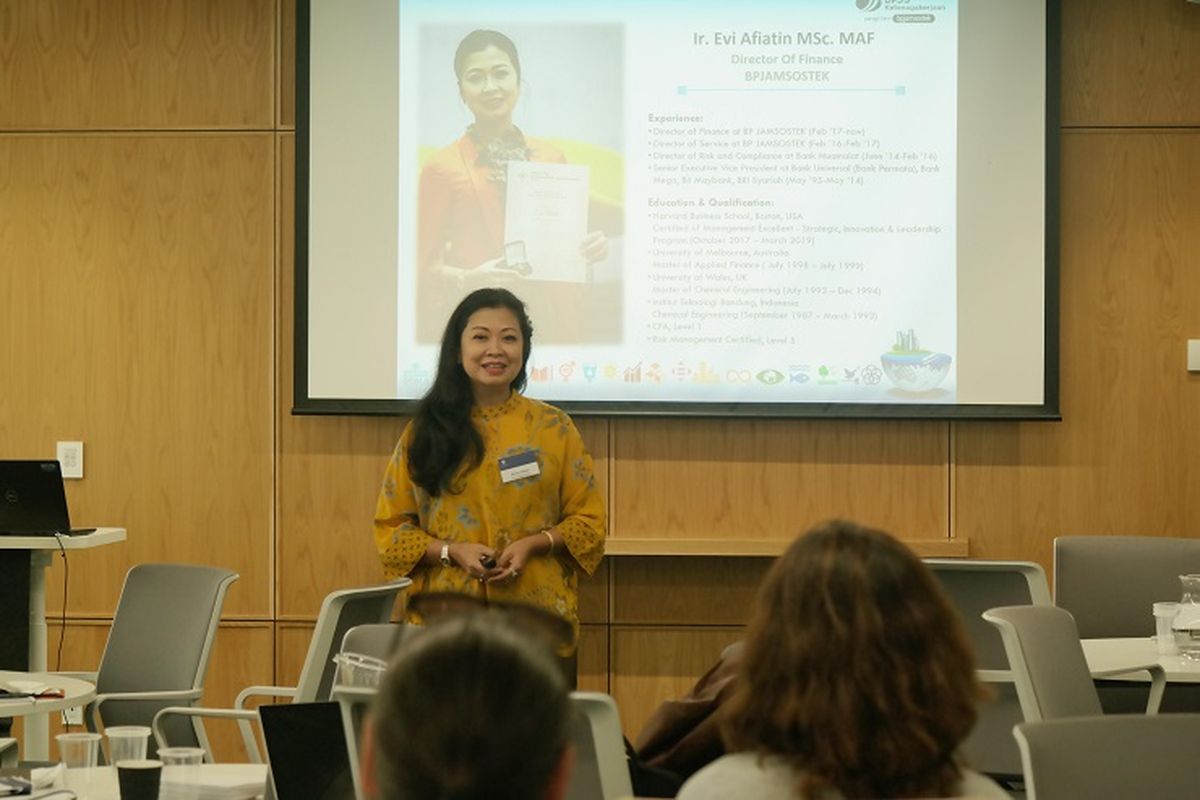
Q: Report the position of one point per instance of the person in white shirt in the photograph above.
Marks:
(857, 681)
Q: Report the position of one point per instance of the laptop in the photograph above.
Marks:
(32, 500)
(306, 751)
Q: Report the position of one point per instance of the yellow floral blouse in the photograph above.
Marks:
(488, 511)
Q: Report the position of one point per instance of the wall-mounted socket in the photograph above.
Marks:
(72, 715)
(1193, 355)
(70, 455)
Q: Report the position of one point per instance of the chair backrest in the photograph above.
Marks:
(1047, 661)
(378, 640)
(1109, 583)
(355, 702)
(601, 770)
(161, 638)
(1111, 758)
(341, 611)
(974, 586)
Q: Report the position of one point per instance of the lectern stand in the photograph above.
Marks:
(41, 551)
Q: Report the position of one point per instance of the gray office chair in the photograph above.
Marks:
(378, 640)
(1050, 670)
(974, 586)
(1111, 758)
(158, 649)
(1109, 584)
(355, 702)
(340, 611)
(601, 769)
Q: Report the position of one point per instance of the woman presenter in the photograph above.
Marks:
(490, 493)
(461, 243)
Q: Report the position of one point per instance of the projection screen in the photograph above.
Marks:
(816, 208)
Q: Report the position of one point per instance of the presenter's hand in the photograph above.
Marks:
(512, 559)
(470, 556)
(594, 247)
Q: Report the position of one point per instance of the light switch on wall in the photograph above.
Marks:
(1193, 355)
(70, 456)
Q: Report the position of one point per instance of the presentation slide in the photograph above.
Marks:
(702, 204)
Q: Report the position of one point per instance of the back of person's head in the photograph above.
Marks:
(856, 669)
(471, 708)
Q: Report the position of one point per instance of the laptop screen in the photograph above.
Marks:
(32, 499)
(306, 751)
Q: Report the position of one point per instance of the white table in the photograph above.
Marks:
(41, 552)
(227, 781)
(1110, 655)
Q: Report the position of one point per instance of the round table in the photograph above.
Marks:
(76, 692)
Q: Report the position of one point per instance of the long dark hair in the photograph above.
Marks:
(444, 438)
(856, 671)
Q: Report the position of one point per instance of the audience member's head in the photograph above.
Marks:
(470, 708)
(856, 670)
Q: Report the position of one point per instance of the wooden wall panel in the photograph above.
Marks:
(593, 594)
(592, 657)
(287, 64)
(291, 647)
(241, 657)
(119, 64)
(1123, 459)
(650, 665)
(1130, 62)
(772, 479)
(137, 318)
(686, 590)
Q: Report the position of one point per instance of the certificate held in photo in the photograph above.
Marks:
(546, 209)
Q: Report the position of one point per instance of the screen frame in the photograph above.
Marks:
(1047, 410)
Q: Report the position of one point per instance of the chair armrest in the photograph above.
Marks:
(995, 675)
(262, 691)
(242, 716)
(1158, 681)
(166, 694)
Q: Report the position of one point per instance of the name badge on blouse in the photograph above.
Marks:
(521, 465)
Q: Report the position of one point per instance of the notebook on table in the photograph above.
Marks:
(32, 500)
(306, 751)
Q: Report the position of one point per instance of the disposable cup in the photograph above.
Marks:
(1164, 615)
(181, 772)
(139, 778)
(78, 749)
(359, 671)
(127, 742)
(181, 756)
(79, 753)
